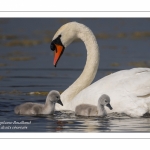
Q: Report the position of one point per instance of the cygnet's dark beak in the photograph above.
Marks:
(59, 102)
(109, 106)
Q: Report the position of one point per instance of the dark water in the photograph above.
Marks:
(26, 65)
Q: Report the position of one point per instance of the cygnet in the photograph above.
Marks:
(91, 110)
(30, 108)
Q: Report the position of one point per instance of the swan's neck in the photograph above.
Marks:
(91, 66)
(101, 110)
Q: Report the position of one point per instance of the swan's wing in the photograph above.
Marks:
(120, 86)
(137, 82)
(134, 81)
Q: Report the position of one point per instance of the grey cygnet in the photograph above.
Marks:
(91, 110)
(30, 108)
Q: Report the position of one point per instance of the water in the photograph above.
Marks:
(26, 65)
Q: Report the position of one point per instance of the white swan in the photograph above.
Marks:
(92, 110)
(29, 108)
(129, 90)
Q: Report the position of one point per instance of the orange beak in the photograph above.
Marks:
(57, 53)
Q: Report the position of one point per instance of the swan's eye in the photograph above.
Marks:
(57, 97)
(106, 101)
(52, 46)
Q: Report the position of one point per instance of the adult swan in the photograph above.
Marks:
(129, 90)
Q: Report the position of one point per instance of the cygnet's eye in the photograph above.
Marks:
(52, 46)
(57, 97)
(106, 101)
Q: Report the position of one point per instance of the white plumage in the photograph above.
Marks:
(129, 90)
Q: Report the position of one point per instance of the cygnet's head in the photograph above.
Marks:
(54, 97)
(105, 101)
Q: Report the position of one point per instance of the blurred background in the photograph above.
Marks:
(26, 61)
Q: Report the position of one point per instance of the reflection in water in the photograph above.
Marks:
(66, 121)
(27, 72)
(112, 123)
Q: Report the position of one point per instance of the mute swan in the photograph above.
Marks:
(91, 110)
(129, 89)
(36, 108)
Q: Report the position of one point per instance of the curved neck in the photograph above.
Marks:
(91, 66)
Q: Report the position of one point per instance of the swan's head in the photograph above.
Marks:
(62, 38)
(54, 97)
(105, 101)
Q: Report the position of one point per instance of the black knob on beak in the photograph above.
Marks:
(52, 46)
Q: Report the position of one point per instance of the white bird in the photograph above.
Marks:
(91, 110)
(30, 108)
(129, 90)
